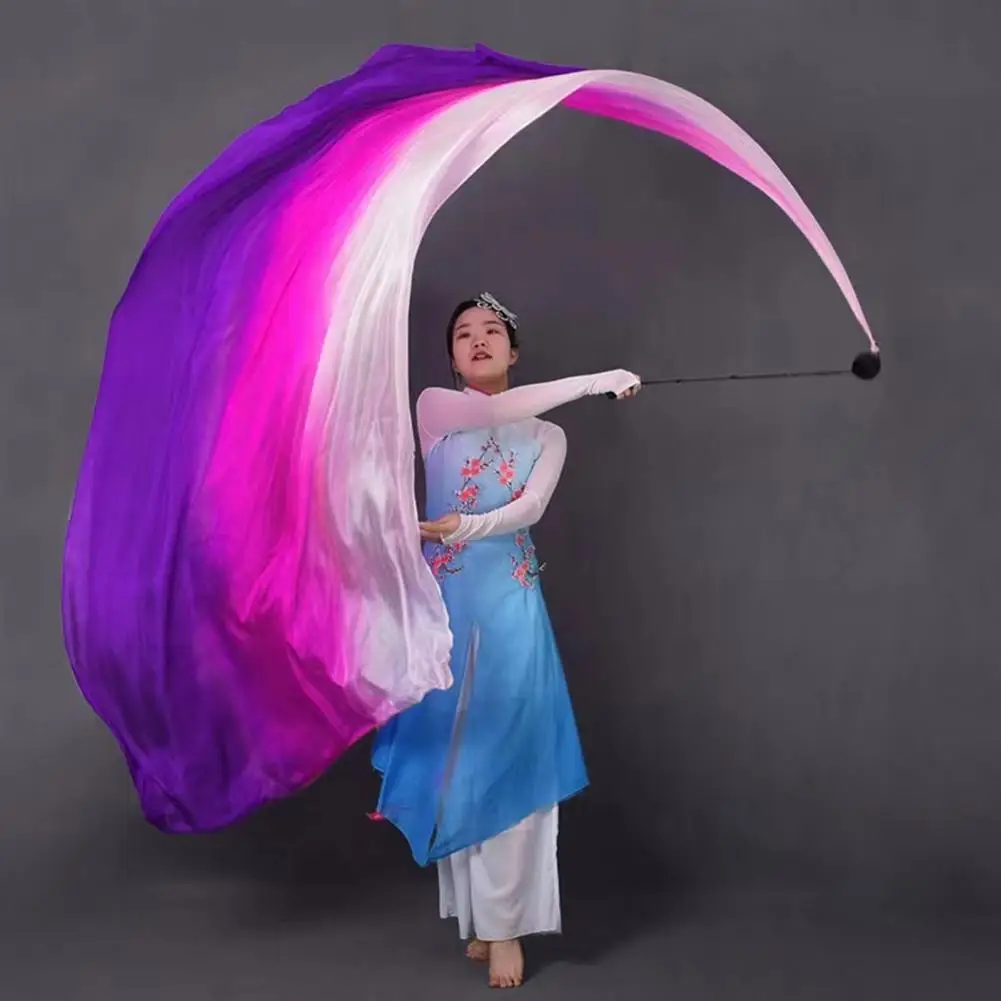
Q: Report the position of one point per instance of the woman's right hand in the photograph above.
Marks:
(440, 529)
(618, 384)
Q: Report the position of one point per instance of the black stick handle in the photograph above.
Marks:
(865, 366)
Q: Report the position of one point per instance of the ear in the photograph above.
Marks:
(514, 356)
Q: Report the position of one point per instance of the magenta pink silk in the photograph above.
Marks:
(244, 592)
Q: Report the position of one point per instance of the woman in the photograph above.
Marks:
(473, 776)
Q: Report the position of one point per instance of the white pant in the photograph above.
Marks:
(508, 886)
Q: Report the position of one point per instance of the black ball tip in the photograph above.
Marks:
(866, 365)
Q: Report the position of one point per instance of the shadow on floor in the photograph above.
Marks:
(614, 887)
(317, 859)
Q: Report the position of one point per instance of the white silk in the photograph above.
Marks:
(507, 887)
(360, 401)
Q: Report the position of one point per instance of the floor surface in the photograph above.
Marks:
(210, 940)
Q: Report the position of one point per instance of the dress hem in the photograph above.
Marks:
(432, 858)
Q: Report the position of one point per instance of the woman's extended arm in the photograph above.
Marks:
(445, 411)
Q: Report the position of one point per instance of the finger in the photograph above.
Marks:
(435, 530)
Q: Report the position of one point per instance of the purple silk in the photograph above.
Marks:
(139, 583)
(244, 594)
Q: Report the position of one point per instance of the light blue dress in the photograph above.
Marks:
(468, 763)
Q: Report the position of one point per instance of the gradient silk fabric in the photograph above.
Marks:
(244, 593)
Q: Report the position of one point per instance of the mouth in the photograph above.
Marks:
(482, 356)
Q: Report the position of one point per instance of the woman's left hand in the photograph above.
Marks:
(438, 531)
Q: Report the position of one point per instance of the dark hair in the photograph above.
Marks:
(512, 334)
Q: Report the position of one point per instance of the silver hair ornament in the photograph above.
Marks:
(486, 301)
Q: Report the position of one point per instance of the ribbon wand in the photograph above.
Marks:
(865, 366)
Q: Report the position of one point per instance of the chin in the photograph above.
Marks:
(485, 373)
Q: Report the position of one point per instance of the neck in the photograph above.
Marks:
(490, 387)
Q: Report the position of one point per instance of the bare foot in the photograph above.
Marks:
(507, 964)
(477, 951)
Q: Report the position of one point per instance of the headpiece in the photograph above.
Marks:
(486, 301)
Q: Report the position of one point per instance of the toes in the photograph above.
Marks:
(505, 980)
(478, 951)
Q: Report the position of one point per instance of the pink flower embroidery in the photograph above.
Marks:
(525, 564)
(442, 562)
(473, 467)
(468, 494)
(506, 473)
(517, 493)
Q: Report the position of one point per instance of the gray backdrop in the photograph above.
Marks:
(778, 603)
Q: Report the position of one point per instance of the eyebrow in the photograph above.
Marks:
(466, 324)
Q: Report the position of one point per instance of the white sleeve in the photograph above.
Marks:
(444, 411)
(526, 510)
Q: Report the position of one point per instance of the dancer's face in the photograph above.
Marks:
(481, 349)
